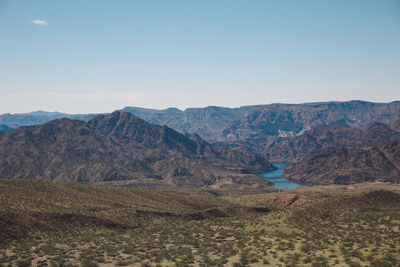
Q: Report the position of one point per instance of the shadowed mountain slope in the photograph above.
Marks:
(348, 165)
(5, 128)
(123, 149)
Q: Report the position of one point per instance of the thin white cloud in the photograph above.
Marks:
(39, 22)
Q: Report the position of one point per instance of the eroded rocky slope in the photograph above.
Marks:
(348, 165)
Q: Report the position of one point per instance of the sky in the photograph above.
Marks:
(97, 56)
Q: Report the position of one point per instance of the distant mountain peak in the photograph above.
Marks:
(118, 123)
(173, 110)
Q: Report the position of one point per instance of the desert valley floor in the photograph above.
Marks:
(62, 224)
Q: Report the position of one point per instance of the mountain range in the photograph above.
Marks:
(257, 128)
(327, 143)
(260, 129)
(38, 117)
(121, 148)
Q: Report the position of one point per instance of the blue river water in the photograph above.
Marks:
(276, 177)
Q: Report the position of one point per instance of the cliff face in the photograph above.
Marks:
(123, 149)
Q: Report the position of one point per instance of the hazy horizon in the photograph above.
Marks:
(232, 107)
(99, 56)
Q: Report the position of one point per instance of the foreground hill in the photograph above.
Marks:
(288, 149)
(348, 165)
(45, 223)
(123, 149)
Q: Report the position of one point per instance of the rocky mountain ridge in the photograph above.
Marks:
(123, 149)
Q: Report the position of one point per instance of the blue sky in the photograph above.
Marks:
(98, 56)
